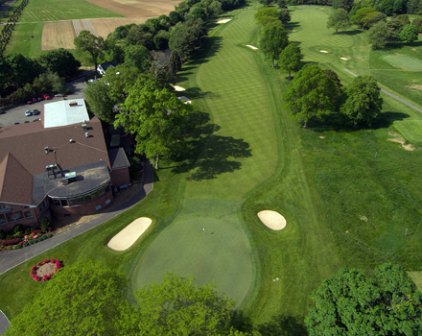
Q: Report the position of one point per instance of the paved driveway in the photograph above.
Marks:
(4, 323)
(17, 113)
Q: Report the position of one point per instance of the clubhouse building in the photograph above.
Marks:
(58, 165)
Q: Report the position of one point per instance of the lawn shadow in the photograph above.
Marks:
(209, 49)
(283, 326)
(197, 93)
(339, 122)
(350, 32)
(208, 155)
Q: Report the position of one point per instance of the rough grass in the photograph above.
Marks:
(21, 41)
(52, 10)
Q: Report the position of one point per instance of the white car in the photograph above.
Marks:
(59, 95)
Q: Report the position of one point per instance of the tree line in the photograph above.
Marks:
(7, 30)
(87, 298)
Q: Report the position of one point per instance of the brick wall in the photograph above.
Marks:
(120, 177)
(26, 222)
(83, 209)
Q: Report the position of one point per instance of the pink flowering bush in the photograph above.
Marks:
(47, 276)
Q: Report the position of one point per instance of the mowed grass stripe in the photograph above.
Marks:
(240, 105)
(53, 10)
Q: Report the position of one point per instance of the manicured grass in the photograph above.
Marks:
(411, 130)
(21, 41)
(404, 62)
(52, 10)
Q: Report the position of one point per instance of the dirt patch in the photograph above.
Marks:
(322, 136)
(45, 269)
(415, 87)
(58, 34)
(134, 8)
(107, 26)
(398, 139)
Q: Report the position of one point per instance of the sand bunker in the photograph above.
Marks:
(398, 139)
(186, 100)
(224, 21)
(272, 219)
(323, 51)
(251, 46)
(344, 58)
(128, 236)
(178, 88)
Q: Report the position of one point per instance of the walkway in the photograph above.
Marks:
(4, 323)
(10, 259)
(391, 95)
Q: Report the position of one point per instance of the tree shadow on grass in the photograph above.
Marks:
(197, 93)
(350, 32)
(283, 326)
(208, 155)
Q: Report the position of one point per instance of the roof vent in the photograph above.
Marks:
(73, 103)
(86, 135)
(46, 150)
(84, 126)
(70, 177)
(70, 140)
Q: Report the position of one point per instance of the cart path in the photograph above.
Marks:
(392, 95)
(10, 259)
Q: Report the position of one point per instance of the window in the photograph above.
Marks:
(107, 189)
(73, 201)
(95, 195)
(4, 207)
(107, 202)
(64, 202)
(2, 220)
(45, 203)
(41, 207)
(98, 207)
(101, 191)
(56, 202)
(80, 200)
(28, 214)
(87, 198)
(18, 215)
(9, 216)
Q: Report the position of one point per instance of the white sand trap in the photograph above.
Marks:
(251, 46)
(224, 21)
(272, 219)
(128, 236)
(324, 51)
(186, 100)
(344, 58)
(178, 88)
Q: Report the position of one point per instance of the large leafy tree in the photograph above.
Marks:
(60, 61)
(350, 303)
(266, 16)
(290, 58)
(139, 57)
(94, 45)
(378, 35)
(99, 101)
(311, 93)
(409, 33)
(273, 40)
(338, 19)
(178, 307)
(284, 16)
(80, 299)
(175, 63)
(155, 117)
(364, 102)
(188, 36)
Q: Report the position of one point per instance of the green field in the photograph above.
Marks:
(348, 194)
(22, 43)
(53, 10)
(404, 62)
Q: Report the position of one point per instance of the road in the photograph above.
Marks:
(10, 259)
(392, 95)
(16, 114)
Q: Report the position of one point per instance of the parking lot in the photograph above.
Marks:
(17, 114)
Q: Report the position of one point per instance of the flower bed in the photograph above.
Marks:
(27, 240)
(44, 270)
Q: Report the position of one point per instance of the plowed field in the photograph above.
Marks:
(58, 34)
(134, 8)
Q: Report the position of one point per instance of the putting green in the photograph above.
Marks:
(406, 62)
(221, 254)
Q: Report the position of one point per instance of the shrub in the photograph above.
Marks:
(36, 278)
(46, 261)
(49, 235)
(43, 237)
(31, 242)
(52, 261)
(25, 244)
(28, 231)
(45, 278)
(17, 228)
(38, 239)
(17, 247)
(39, 264)
(8, 248)
(13, 241)
(45, 223)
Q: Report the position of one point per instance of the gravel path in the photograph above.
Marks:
(10, 259)
(392, 95)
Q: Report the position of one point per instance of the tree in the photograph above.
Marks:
(175, 63)
(160, 68)
(94, 45)
(339, 87)
(338, 19)
(161, 40)
(345, 4)
(120, 80)
(360, 14)
(311, 93)
(139, 57)
(386, 7)
(284, 16)
(282, 4)
(379, 34)
(395, 26)
(188, 36)
(266, 16)
(97, 97)
(155, 117)
(350, 303)
(364, 102)
(290, 58)
(60, 61)
(80, 299)
(409, 33)
(177, 307)
(273, 41)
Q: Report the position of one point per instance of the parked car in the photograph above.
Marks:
(27, 121)
(39, 98)
(46, 96)
(59, 95)
(34, 100)
(16, 123)
(35, 112)
(28, 113)
(29, 102)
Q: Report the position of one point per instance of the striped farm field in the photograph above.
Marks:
(59, 34)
